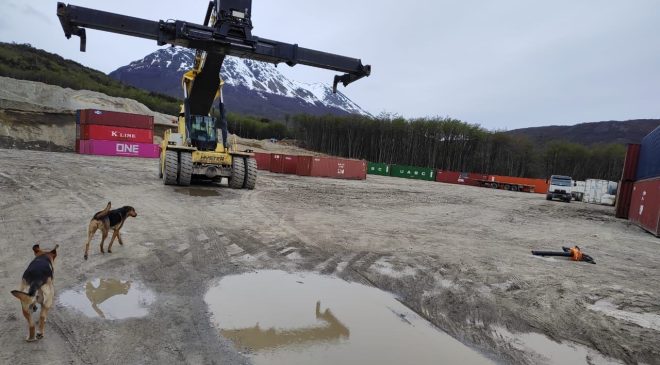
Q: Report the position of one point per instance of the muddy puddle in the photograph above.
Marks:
(548, 352)
(197, 191)
(276, 317)
(109, 299)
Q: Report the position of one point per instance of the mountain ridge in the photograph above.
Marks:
(251, 87)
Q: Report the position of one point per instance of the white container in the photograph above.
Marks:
(595, 190)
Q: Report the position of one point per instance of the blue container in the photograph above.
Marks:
(649, 156)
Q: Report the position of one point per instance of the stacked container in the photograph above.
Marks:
(645, 196)
(100, 132)
(627, 180)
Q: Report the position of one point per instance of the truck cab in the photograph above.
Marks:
(560, 187)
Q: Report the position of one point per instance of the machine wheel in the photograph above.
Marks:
(548, 197)
(186, 168)
(171, 168)
(237, 173)
(250, 173)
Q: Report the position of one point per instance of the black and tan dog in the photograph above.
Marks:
(105, 220)
(37, 287)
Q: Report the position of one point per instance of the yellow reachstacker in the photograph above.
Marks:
(195, 151)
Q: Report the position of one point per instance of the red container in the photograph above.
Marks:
(289, 164)
(336, 168)
(350, 169)
(277, 163)
(645, 205)
(623, 197)
(631, 162)
(110, 133)
(119, 148)
(115, 119)
(263, 160)
(449, 177)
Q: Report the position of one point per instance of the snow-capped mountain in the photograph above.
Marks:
(251, 87)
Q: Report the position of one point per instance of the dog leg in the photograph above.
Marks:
(119, 238)
(90, 234)
(42, 322)
(105, 235)
(28, 316)
(112, 240)
(47, 295)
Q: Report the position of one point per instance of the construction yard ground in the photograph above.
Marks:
(458, 256)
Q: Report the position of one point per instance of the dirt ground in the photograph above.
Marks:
(459, 256)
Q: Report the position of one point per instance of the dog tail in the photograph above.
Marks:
(28, 297)
(104, 212)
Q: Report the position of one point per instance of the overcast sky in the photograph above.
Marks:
(503, 64)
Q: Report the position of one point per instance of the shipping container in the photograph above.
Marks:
(263, 160)
(376, 168)
(624, 195)
(119, 148)
(649, 156)
(336, 168)
(277, 163)
(412, 172)
(290, 164)
(645, 205)
(631, 162)
(110, 133)
(449, 177)
(599, 191)
(115, 119)
(313, 166)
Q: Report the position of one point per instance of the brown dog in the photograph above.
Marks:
(38, 281)
(105, 220)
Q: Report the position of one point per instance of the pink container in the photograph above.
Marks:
(119, 148)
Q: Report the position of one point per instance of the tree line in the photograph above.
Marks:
(442, 143)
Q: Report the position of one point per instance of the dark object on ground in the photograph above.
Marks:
(574, 253)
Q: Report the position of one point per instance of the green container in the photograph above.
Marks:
(412, 172)
(376, 168)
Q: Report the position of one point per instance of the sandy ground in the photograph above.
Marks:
(459, 256)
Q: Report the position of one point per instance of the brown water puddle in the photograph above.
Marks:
(109, 299)
(197, 191)
(282, 318)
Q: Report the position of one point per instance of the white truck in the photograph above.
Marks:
(560, 187)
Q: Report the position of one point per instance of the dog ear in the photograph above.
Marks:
(54, 250)
(36, 249)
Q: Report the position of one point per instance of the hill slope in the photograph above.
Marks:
(24, 62)
(620, 132)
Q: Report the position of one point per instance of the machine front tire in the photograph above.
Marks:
(186, 168)
(171, 168)
(548, 197)
(250, 173)
(237, 178)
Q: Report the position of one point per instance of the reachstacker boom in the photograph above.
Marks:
(194, 150)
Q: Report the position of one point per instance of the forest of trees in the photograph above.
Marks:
(442, 143)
